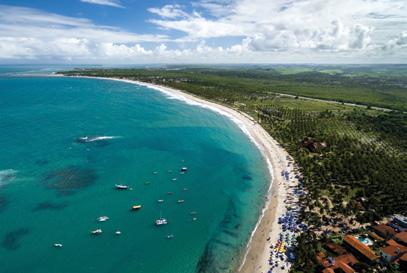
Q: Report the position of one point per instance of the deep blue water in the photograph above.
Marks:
(53, 188)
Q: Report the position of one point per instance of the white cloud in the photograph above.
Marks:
(217, 31)
(168, 11)
(282, 25)
(398, 42)
(217, 8)
(123, 51)
(112, 3)
(33, 34)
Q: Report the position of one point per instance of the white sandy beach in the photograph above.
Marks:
(267, 229)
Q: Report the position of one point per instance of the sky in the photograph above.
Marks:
(203, 31)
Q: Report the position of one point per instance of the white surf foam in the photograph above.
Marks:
(97, 138)
(7, 176)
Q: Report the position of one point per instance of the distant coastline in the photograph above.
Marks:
(266, 231)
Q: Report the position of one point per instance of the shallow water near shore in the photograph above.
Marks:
(53, 187)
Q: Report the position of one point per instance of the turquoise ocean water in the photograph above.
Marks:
(53, 188)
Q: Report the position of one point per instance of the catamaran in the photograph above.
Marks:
(103, 218)
(161, 221)
(96, 231)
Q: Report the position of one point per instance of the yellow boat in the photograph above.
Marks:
(136, 207)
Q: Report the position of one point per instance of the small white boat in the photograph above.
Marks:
(118, 232)
(96, 231)
(180, 201)
(170, 236)
(121, 187)
(174, 179)
(184, 169)
(58, 245)
(103, 218)
(160, 200)
(161, 221)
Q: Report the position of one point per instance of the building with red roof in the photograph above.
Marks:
(360, 249)
(392, 253)
(401, 238)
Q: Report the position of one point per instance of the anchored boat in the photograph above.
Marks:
(121, 187)
(103, 218)
(96, 231)
(161, 221)
(136, 207)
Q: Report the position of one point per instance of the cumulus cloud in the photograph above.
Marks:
(281, 25)
(398, 42)
(216, 31)
(29, 33)
(168, 11)
(112, 3)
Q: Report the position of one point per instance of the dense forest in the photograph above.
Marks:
(353, 159)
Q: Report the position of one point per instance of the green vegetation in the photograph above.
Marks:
(381, 86)
(353, 159)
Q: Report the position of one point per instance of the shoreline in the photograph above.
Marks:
(266, 231)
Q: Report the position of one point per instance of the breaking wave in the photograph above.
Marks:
(6, 176)
(88, 139)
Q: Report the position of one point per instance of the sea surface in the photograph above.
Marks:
(53, 186)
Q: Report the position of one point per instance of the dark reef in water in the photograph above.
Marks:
(3, 203)
(69, 180)
(209, 262)
(49, 206)
(11, 240)
(41, 162)
(247, 177)
(205, 260)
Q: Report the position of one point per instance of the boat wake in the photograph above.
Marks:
(88, 139)
(7, 176)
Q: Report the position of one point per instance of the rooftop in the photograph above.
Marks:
(336, 248)
(384, 230)
(394, 250)
(360, 247)
(391, 242)
(402, 237)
